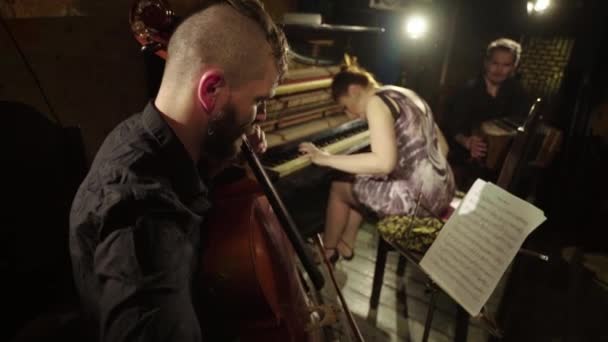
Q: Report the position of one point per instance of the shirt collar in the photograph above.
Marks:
(179, 166)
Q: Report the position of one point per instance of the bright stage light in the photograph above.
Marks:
(415, 26)
(538, 6)
(541, 5)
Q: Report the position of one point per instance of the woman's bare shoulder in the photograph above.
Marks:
(409, 94)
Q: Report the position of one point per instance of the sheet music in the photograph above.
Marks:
(478, 242)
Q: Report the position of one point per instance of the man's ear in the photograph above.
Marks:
(209, 86)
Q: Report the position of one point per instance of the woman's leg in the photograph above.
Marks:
(339, 208)
(349, 236)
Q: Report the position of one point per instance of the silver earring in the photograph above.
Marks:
(210, 131)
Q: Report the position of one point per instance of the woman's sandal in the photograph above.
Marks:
(352, 251)
(333, 259)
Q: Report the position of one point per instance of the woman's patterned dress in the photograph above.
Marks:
(420, 165)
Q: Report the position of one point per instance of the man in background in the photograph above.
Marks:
(495, 93)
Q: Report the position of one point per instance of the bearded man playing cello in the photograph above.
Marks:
(136, 220)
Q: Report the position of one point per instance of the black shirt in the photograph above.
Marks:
(135, 233)
(471, 105)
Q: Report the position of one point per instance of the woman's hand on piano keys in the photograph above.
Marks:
(316, 155)
(257, 139)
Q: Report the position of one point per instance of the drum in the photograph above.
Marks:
(498, 139)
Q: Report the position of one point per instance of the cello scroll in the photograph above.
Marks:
(152, 23)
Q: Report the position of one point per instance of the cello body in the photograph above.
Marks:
(252, 288)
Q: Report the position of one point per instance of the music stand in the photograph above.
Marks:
(519, 153)
(509, 179)
(486, 319)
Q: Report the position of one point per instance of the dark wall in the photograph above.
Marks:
(88, 65)
(577, 195)
(84, 54)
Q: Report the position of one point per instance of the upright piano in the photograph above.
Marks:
(303, 110)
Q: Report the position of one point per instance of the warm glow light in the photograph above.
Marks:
(538, 6)
(530, 7)
(541, 5)
(415, 26)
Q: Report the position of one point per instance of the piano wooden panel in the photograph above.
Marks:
(303, 110)
(305, 129)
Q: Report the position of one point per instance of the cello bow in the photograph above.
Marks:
(290, 228)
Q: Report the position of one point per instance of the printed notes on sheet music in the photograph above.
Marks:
(478, 242)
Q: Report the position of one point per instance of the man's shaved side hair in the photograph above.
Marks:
(234, 35)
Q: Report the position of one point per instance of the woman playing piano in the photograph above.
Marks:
(407, 158)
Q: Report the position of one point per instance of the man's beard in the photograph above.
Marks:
(223, 139)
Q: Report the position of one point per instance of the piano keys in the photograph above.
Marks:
(344, 139)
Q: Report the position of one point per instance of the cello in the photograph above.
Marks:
(248, 264)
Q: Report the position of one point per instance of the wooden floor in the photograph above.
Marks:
(403, 301)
